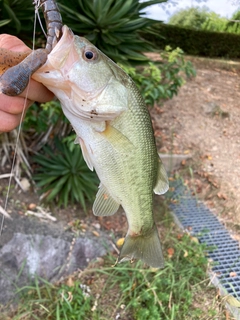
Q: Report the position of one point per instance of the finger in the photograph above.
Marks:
(13, 105)
(37, 92)
(12, 43)
(8, 121)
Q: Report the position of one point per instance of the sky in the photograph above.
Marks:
(223, 7)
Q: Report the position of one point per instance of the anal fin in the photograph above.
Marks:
(162, 184)
(104, 204)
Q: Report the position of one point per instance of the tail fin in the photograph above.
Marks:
(144, 247)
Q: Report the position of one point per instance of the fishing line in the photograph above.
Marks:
(21, 121)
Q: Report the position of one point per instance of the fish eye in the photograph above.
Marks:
(90, 55)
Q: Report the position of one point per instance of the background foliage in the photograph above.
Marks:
(197, 18)
(113, 26)
(161, 80)
(63, 176)
(195, 42)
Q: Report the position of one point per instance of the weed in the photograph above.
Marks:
(47, 301)
(129, 291)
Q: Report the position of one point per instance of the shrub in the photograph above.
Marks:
(194, 42)
(113, 26)
(162, 80)
(63, 176)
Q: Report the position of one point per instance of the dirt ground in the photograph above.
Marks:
(203, 121)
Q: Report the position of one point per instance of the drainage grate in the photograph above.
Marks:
(195, 217)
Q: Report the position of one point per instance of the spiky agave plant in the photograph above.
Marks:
(63, 177)
(112, 25)
(17, 18)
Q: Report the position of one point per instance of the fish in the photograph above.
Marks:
(114, 130)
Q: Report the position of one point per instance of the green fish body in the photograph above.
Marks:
(115, 132)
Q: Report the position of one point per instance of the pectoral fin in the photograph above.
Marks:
(85, 153)
(118, 140)
(162, 179)
(104, 204)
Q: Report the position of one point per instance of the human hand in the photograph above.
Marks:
(11, 108)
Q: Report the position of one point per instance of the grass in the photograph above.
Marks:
(130, 291)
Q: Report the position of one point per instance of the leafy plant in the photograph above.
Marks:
(17, 18)
(42, 116)
(113, 26)
(159, 81)
(63, 176)
(18, 15)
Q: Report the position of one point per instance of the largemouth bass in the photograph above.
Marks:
(114, 130)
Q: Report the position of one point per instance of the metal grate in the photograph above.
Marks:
(195, 217)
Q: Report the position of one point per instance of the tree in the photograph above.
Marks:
(215, 22)
(193, 17)
(200, 19)
(233, 26)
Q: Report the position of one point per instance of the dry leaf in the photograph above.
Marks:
(233, 274)
(185, 253)
(70, 282)
(214, 183)
(120, 242)
(233, 301)
(170, 252)
(194, 239)
(95, 233)
(32, 206)
(222, 196)
(179, 236)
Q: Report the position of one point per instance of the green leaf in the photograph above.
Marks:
(65, 174)
(4, 22)
(13, 17)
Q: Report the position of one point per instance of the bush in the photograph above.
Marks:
(62, 175)
(162, 80)
(17, 18)
(113, 26)
(193, 42)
